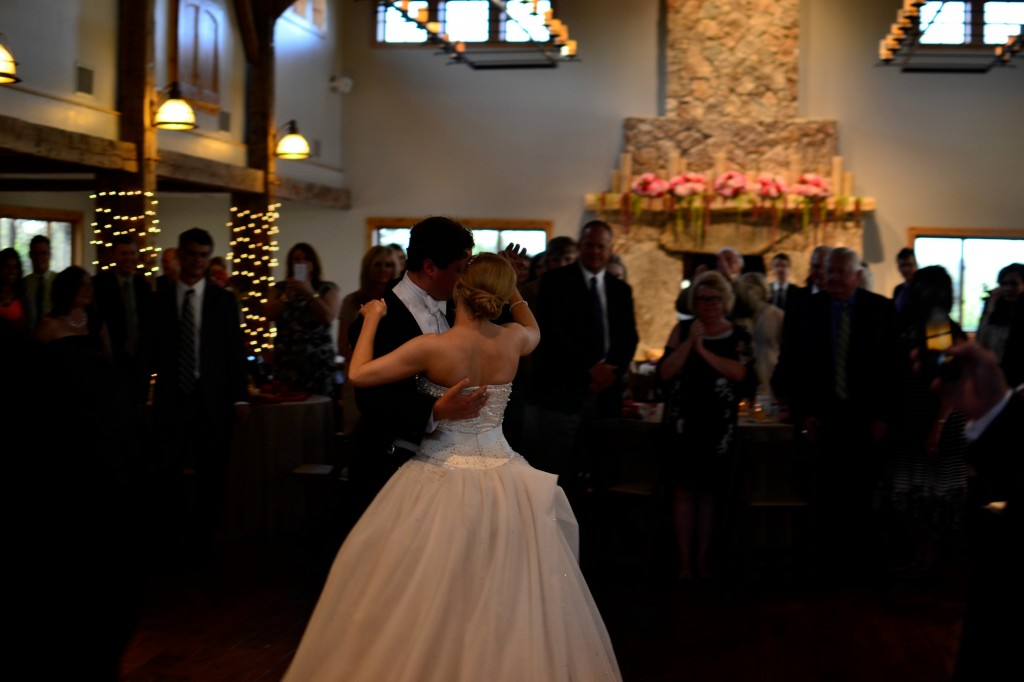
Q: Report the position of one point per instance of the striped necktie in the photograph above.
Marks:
(187, 345)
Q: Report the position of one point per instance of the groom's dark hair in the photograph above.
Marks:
(440, 239)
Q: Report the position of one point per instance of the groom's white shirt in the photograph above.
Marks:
(428, 312)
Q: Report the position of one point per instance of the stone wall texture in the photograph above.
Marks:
(734, 59)
(731, 104)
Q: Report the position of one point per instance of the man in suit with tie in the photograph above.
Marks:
(781, 286)
(588, 337)
(122, 294)
(38, 282)
(194, 345)
(847, 364)
(394, 418)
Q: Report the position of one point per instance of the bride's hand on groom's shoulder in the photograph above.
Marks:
(374, 309)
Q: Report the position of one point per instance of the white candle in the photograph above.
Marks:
(626, 171)
(837, 173)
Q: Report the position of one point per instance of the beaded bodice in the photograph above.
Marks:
(476, 443)
(490, 416)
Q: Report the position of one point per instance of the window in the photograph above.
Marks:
(18, 225)
(973, 259)
(199, 47)
(975, 23)
(311, 12)
(468, 21)
(489, 235)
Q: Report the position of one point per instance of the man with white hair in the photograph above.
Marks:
(846, 366)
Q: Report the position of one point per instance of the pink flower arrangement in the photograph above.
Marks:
(730, 184)
(649, 185)
(688, 185)
(811, 186)
(768, 186)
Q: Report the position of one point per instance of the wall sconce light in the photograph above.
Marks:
(175, 113)
(292, 145)
(8, 67)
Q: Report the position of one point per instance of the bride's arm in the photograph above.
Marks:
(403, 362)
(523, 316)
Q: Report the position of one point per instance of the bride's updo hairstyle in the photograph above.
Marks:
(485, 284)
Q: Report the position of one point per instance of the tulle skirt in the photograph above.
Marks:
(462, 568)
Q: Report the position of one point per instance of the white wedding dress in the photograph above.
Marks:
(464, 568)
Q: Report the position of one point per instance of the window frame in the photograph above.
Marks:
(206, 99)
(962, 233)
(976, 37)
(50, 215)
(375, 224)
(494, 27)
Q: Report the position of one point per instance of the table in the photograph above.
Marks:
(770, 497)
(263, 498)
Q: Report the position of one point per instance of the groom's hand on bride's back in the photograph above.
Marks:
(453, 404)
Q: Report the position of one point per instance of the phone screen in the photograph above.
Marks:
(300, 271)
(938, 335)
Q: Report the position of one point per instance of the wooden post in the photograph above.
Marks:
(135, 98)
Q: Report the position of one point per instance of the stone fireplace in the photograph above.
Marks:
(731, 104)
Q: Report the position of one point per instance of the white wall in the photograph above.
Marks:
(49, 39)
(935, 150)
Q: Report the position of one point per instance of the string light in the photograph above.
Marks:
(254, 258)
(144, 227)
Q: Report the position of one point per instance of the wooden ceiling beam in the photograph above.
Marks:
(33, 139)
(215, 175)
(312, 193)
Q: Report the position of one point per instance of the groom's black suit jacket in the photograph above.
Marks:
(395, 410)
(389, 412)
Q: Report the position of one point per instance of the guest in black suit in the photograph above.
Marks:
(781, 286)
(195, 346)
(395, 417)
(796, 304)
(588, 337)
(906, 261)
(122, 295)
(849, 362)
(992, 630)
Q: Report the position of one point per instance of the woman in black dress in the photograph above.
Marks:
(706, 365)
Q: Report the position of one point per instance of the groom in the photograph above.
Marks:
(395, 417)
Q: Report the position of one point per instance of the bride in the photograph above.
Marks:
(465, 565)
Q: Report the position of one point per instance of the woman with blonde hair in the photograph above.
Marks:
(706, 365)
(467, 543)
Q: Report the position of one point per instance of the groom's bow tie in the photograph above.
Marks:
(436, 306)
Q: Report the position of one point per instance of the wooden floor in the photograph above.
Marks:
(243, 620)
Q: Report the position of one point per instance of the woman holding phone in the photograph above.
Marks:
(303, 308)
